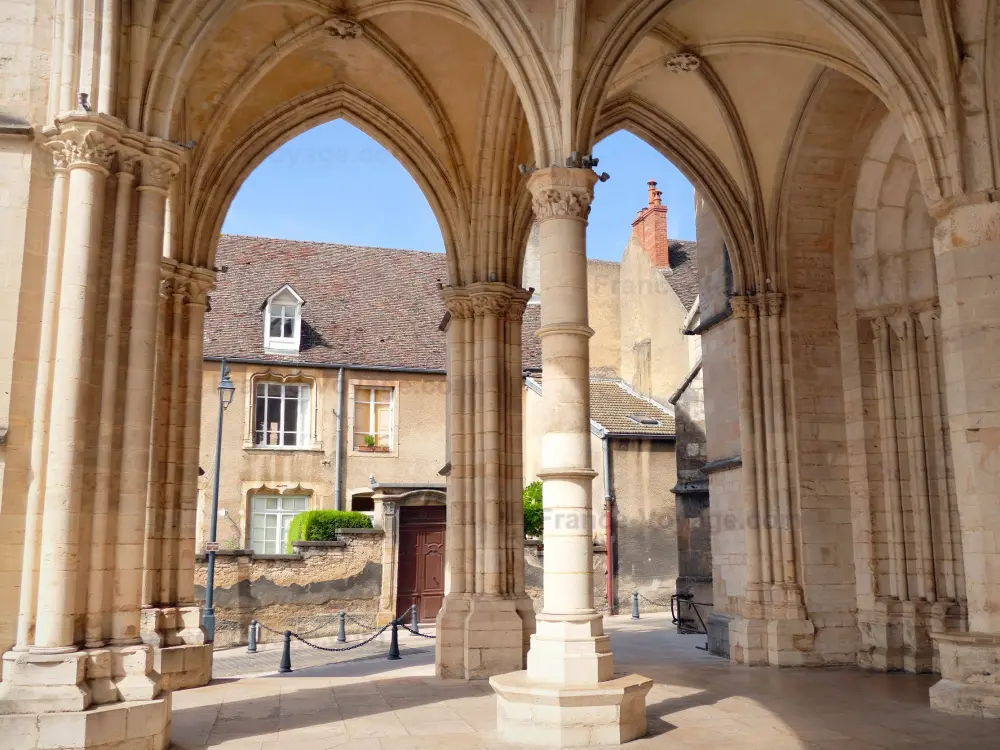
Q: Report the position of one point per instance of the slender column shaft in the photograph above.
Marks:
(488, 307)
(60, 568)
(188, 518)
(742, 312)
(131, 519)
(152, 547)
(918, 459)
(469, 452)
(770, 468)
(479, 474)
(566, 471)
(40, 414)
(899, 585)
(171, 509)
(99, 568)
(758, 437)
(110, 25)
(69, 76)
(789, 576)
(928, 323)
(516, 524)
(455, 530)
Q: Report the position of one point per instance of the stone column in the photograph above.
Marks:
(40, 416)
(570, 665)
(967, 250)
(138, 681)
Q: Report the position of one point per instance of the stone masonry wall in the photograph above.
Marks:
(301, 592)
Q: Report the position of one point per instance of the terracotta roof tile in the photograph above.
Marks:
(612, 403)
(364, 306)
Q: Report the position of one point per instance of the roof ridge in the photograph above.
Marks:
(332, 244)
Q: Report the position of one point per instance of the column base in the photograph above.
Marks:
(449, 645)
(570, 650)
(541, 714)
(182, 667)
(494, 641)
(970, 672)
(136, 725)
(770, 642)
(718, 633)
(525, 607)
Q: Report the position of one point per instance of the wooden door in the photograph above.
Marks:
(421, 560)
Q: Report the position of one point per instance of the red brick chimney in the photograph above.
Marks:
(650, 228)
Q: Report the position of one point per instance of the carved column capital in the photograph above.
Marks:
(562, 192)
(60, 157)
(515, 311)
(490, 303)
(878, 325)
(88, 148)
(771, 304)
(743, 307)
(901, 323)
(158, 171)
(457, 303)
(928, 321)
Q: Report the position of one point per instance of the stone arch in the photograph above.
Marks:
(865, 26)
(188, 28)
(219, 180)
(702, 168)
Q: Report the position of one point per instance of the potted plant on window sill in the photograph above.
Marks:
(371, 446)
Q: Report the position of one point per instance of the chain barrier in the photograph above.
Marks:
(359, 623)
(353, 646)
(422, 635)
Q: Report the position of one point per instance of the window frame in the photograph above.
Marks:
(281, 513)
(393, 387)
(308, 411)
(283, 345)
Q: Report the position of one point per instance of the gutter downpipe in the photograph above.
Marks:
(338, 499)
(609, 502)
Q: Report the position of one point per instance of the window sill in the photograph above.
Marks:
(251, 448)
(388, 453)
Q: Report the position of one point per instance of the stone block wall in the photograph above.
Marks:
(301, 592)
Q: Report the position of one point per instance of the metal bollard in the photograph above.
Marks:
(252, 638)
(394, 643)
(342, 629)
(286, 654)
(414, 625)
(635, 605)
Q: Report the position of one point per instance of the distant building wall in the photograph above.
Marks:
(604, 308)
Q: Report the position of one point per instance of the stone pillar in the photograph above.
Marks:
(483, 619)
(967, 250)
(569, 695)
(47, 689)
(171, 618)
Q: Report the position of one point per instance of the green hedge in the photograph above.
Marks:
(322, 525)
(533, 509)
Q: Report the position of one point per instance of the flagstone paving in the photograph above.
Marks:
(699, 701)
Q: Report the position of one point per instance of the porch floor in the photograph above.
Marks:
(698, 701)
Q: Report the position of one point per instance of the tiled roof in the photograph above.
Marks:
(683, 272)
(612, 402)
(364, 306)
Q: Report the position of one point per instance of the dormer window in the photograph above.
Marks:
(283, 320)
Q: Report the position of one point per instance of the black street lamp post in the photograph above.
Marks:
(226, 391)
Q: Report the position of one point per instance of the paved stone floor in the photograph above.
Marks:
(698, 702)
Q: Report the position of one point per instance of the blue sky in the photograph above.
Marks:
(335, 184)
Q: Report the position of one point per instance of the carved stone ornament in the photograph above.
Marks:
(198, 291)
(515, 311)
(89, 149)
(771, 304)
(683, 62)
(928, 322)
(342, 27)
(879, 326)
(157, 173)
(487, 303)
(902, 325)
(562, 203)
(459, 307)
(743, 308)
(60, 159)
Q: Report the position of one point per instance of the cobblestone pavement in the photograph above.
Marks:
(237, 662)
(698, 702)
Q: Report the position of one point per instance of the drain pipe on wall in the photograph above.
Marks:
(609, 504)
(338, 499)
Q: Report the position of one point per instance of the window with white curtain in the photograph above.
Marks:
(270, 518)
(282, 415)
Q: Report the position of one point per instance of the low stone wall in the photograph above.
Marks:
(301, 592)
